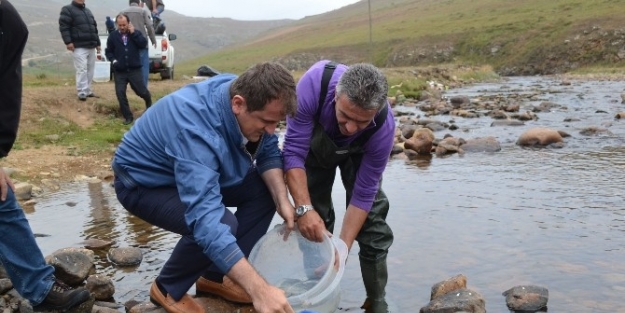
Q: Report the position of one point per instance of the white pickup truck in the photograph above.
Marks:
(162, 56)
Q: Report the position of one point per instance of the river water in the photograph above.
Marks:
(548, 217)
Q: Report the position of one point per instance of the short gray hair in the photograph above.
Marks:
(364, 85)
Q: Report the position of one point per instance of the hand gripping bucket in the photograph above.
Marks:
(305, 270)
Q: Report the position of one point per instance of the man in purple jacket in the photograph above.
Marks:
(343, 121)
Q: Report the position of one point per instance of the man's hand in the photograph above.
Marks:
(266, 298)
(311, 226)
(131, 28)
(287, 212)
(70, 46)
(271, 300)
(5, 184)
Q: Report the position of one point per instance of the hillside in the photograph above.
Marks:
(196, 36)
(515, 37)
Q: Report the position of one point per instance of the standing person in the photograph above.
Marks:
(156, 7)
(205, 147)
(140, 19)
(122, 49)
(79, 31)
(343, 120)
(31, 276)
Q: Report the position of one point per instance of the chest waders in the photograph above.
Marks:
(375, 237)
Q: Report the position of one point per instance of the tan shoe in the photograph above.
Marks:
(184, 305)
(228, 290)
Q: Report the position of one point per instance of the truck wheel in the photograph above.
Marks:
(167, 73)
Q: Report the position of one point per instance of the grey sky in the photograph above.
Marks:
(255, 9)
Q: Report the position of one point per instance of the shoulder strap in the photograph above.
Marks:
(328, 70)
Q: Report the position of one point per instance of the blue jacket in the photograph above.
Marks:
(127, 56)
(190, 139)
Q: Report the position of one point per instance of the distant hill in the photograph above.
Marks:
(196, 36)
(521, 37)
(515, 37)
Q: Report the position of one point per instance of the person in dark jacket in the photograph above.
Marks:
(19, 253)
(140, 20)
(79, 31)
(123, 48)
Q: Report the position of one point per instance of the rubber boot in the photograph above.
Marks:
(375, 276)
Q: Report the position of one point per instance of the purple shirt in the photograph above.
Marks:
(300, 129)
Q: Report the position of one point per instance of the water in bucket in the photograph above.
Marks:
(309, 272)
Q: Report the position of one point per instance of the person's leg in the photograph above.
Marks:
(162, 207)
(135, 78)
(20, 255)
(121, 81)
(320, 182)
(159, 25)
(255, 209)
(374, 239)
(80, 64)
(91, 57)
(145, 65)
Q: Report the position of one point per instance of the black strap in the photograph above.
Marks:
(328, 70)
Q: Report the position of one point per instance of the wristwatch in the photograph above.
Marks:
(302, 209)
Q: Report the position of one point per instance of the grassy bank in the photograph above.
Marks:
(52, 115)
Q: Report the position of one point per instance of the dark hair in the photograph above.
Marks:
(124, 15)
(364, 85)
(133, 1)
(264, 82)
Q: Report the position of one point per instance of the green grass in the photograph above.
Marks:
(520, 28)
(103, 135)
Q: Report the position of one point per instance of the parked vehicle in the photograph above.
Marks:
(162, 57)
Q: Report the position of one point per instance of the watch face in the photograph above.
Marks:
(302, 209)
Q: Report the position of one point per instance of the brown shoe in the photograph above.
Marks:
(184, 305)
(228, 290)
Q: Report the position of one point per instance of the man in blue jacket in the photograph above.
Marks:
(123, 49)
(205, 147)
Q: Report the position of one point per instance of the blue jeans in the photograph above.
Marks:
(20, 255)
(162, 207)
(145, 64)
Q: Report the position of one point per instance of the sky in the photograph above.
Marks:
(255, 9)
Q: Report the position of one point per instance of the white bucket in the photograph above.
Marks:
(303, 269)
(102, 72)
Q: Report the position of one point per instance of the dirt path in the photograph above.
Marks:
(60, 162)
